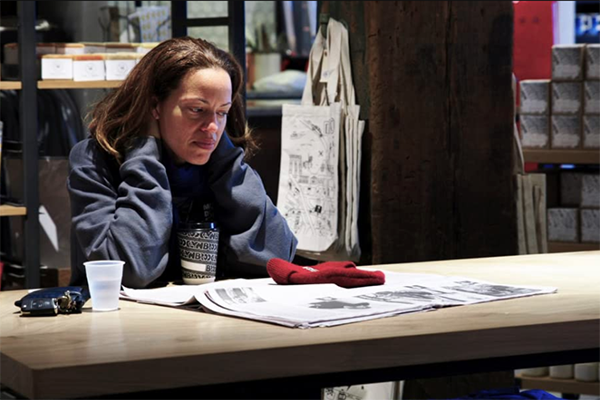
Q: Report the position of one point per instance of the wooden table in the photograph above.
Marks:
(152, 348)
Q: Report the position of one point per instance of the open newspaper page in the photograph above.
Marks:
(306, 306)
(322, 305)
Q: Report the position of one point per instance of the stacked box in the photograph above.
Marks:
(566, 131)
(563, 224)
(534, 115)
(144, 48)
(535, 131)
(566, 98)
(567, 62)
(119, 65)
(57, 66)
(115, 47)
(10, 67)
(70, 48)
(591, 98)
(94, 47)
(590, 225)
(591, 131)
(88, 67)
(592, 61)
(534, 97)
(580, 190)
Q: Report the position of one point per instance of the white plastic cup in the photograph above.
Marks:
(104, 280)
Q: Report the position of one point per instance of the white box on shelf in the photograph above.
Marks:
(562, 371)
(580, 189)
(567, 62)
(566, 131)
(591, 97)
(586, 372)
(144, 48)
(563, 225)
(591, 131)
(88, 67)
(535, 130)
(45, 48)
(57, 66)
(70, 48)
(592, 61)
(535, 96)
(590, 225)
(94, 47)
(119, 65)
(536, 372)
(566, 98)
(117, 47)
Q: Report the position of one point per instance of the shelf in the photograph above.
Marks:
(67, 84)
(10, 85)
(554, 156)
(560, 385)
(9, 211)
(565, 247)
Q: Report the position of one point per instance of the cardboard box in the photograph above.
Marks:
(566, 131)
(591, 97)
(115, 47)
(88, 67)
(563, 225)
(567, 98)
(535, 131)
(591, 131)
(94, 47)
(11, 53)
(590, 225)
(70, 48)
(592, 61)
(118, 65)
(145, 48)
(535, 96)
(10, 67)
(580, 190)
(567, 62)
(57, 66)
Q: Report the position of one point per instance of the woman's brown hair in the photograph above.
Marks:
(123, 114)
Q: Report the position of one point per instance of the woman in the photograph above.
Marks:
(165, 148)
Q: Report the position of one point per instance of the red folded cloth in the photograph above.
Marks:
(342, 273)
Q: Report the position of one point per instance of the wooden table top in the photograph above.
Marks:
(143, 347)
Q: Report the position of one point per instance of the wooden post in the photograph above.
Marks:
(441, 125)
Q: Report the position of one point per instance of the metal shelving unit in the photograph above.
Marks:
(28, 85)
(10, 85)
(26, 11)
(571, 156)
(12, 211)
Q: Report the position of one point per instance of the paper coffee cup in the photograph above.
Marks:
(198, 249)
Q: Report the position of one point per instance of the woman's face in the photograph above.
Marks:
(192, 119)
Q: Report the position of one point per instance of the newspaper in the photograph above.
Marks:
(323, 305)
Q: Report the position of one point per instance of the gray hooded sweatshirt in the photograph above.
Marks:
(126, 212)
